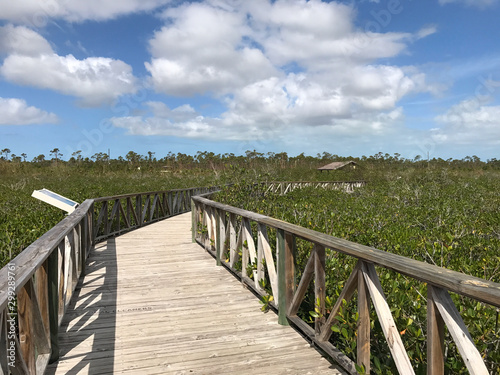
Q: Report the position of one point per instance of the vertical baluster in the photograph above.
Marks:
(363, 339)
(319, 287)
(435, 337)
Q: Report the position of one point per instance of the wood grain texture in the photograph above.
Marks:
(435, 337)
(385, 319)
(153, 302)
(456, 326)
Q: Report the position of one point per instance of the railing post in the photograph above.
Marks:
(283, 277)
(53, 281)
(138, 209)
(435, 336)
(363, 339)
(193, 221)
(218, 244)
(319, 287)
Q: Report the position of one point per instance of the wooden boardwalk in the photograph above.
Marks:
(152, 302)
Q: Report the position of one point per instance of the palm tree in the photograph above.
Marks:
(6, 151)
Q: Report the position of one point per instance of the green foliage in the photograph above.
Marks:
(450, 218)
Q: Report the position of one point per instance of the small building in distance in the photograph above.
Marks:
(339, 165)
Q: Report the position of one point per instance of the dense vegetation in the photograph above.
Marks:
(444, 212)
(448, 217)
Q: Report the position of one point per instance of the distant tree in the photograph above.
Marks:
(38, 159)
(77, 155)
(100, 157)
(6, 151)
(132, 157)
(56, 153)
(150, 156)
(15, 158)
(24, 156)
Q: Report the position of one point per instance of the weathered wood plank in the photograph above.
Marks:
(363, 334)
(386, 321)
(26, 334)
(306, 278)
(268, 255)
(435, 337)
(459, 332)
(319, 287)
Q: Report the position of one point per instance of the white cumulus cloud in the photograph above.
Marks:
(37, 12)
(32, 62)
(15, 111)
(469, 122)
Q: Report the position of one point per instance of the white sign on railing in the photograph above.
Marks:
(55, 200)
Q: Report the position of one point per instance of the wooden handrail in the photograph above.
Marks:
(225, 235)
(36, 286)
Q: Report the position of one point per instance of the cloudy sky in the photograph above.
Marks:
(346, 77)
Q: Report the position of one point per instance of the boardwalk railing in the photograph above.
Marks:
(36, 286)
(239, 239)
(119, 214)
(287, 187)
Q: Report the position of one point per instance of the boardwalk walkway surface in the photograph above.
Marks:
(152, 302)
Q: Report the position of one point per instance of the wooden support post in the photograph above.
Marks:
(319, 287)
(84, 245)
(290, 281)
(458, 330)
(363, 339)
(282, 278)
(435, 337)
(41, 286)
(53, 299)
(218, 241)
(232, 240)
(193, 222)
(138, 209)
(25, 314)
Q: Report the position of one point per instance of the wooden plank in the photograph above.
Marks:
(53, 302)
(25, 316)
(363, 334)
(289, 270)
(249, 238)
(305, 280)
(268, 255)
(244, 251)
(282, 281)
(218, 244)
(459, 332)
(386, 321)
(145, 209)
(194, 222)
(138, 210)
(232, 240)
(319, 286)
(126, 216)
(42, 293)
(435, 337)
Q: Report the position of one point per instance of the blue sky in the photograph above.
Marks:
(345, 77)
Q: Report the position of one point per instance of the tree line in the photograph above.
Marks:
(251, 159)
